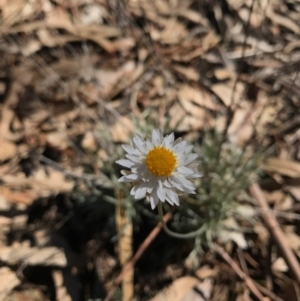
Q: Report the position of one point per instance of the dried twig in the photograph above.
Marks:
(125, 230)
(251, 285)
(137, 256)
(276, 232)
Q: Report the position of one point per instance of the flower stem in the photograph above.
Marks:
(189, 235)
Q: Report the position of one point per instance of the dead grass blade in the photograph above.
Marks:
(276, 232)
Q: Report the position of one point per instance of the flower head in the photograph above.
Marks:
(160, 168)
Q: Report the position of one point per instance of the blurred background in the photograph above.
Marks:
(78, 78)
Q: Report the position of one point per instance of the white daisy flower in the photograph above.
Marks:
(160, 168)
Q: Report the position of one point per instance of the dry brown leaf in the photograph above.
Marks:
(22, 254)
(58, 140)
(8, 118)
(231, 232)
(283, 167)
(89, 142)
(9, 281)
(159, 84)
(114, 81)
(181, 121)
(262, 233)
(197, 96)
(282, 20)
(177, 290)
(52, 180)
(206, 272)
(59, 18)
(286, 204)
(244, 119)
(256, 19)
(16, 11)
(191, 49)
(122, 130)
(246, 211)
(240, 130)
(30, 47)
(268, 115)
(5, 205)
(93, 13)
(42, 182)
(26, 197)
(274, 196)
(190, 107)
(31, 294)
(202, 292)
(241, 127)
(245, 297)
(291, 46)
(7, 150)
(192, 15)
(5, 222)
(222, 73)
(189, 72)
(279, 265)
(62, 286)
(294, 240)
(163, 7)
(173, 33)
(224, 92)
(294, 191)
(50, 40)
(129, 78)
(124, 44)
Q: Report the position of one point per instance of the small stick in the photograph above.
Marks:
(137, 256)
(276, 232)
(125, 231)
(239, 272)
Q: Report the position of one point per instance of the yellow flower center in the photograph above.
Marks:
(161, 162)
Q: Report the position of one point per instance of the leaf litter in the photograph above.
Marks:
(80, 78)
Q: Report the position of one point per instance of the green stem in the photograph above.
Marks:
(189, 235)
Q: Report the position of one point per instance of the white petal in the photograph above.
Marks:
(189, 158)
(130, 178)
(133, 158)
(188, 149)
(156, 137)
(178, 184)
(166, 183)
(193, 165)
(175, 183)
(195, 175)
(177, 141)
(172, 196)
(138, 141)
(161, 192)
(186, 183)
(129, 149)
(141, 168)
(185, 170)
(154, 199)
(139, 191)
(146, 175)
(169, 140)
(151, 184)
(179, 147)
(125, 163)
(149, 145)
(125, 172)
(133, 190)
